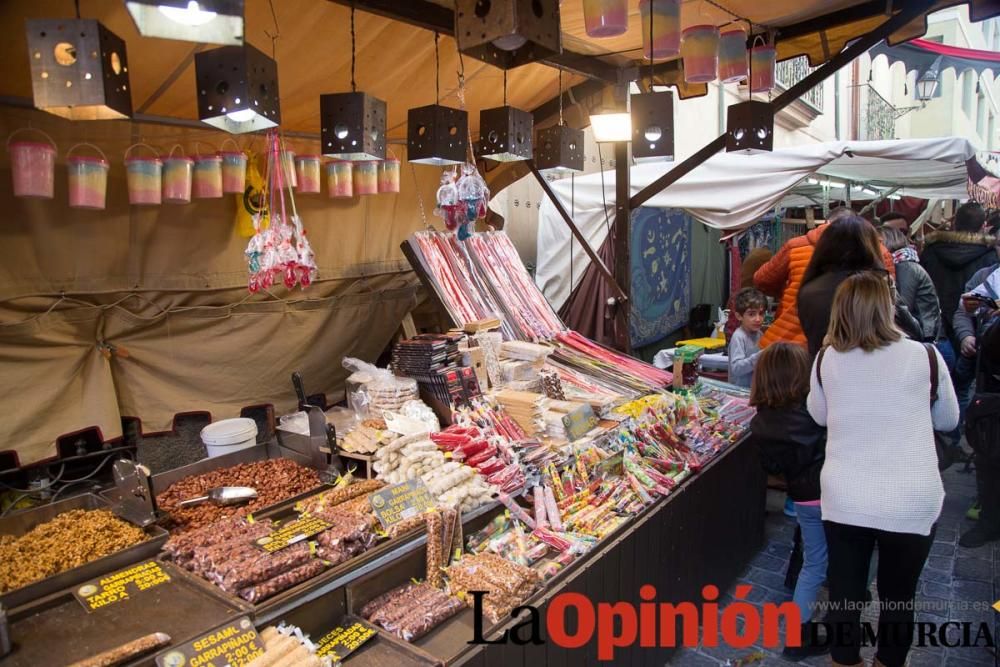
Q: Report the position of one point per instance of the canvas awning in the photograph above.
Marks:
(733, 190)
(396, 59)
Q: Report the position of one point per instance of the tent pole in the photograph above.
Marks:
(623, 241)
(594, 257)
(909, 11)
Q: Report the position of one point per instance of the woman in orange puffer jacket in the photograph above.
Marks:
(782, 277)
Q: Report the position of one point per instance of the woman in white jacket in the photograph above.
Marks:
(872, 389)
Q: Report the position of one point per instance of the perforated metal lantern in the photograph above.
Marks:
(750, 127)
(508, 33)
(79, 69)
(505, 134)
(352, 126)
(437, 135)
(653, 125)
(205, 21)
(559, 148)
(237, 89)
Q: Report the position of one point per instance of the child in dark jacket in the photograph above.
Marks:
(793, 445)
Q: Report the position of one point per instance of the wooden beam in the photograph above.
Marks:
(171, 78)
(591, 253)
(868, 10)
(434, 17)
(623, 244)
(910, 11)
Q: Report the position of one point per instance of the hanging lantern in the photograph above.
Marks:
(79, 69)
(559, 149)
(653, 125)
(750, 127)
(605, 18)
(237, 89)
(700, 49)
(205, 21)
(665, 41)
(505, 134)
(353, 126)
(762, 60)
(437, 135)
(508, 33)
(733, 55)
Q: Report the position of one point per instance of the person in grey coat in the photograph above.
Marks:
(914, 284)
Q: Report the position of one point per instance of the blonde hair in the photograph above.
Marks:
(863, 314)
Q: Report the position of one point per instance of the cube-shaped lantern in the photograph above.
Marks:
(206, 21)
(505, 134)
(437, 135)
(508, 33)
(237, 89)
(352, 126)
(559, 148)
(750, 127)
(79, 69)
(653, 125)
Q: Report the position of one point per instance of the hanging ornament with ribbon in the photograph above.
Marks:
(279, 252)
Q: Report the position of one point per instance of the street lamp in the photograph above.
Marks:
(927, 84)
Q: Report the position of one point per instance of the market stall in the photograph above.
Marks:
(185, 259)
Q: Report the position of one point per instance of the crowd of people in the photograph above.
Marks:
(879, 359)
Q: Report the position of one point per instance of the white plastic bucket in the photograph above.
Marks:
(229, 435)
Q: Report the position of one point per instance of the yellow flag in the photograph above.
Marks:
(253, 200)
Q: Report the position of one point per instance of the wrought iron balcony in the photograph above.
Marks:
(880, 117)
(789, 72)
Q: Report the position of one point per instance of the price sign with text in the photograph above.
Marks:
(401, 501)
(235, 645)
(120, 585)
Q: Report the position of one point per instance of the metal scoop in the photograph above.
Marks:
(223, 495)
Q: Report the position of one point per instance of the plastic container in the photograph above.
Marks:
(33, 165)
(88, 178)
(144, 176)
(307, 173)
(700, 50)
(234, 170)
(388, 175)
(288, 164)
(605, 18)
(666, 40)
(733, 62)
(762, 60)
(229, 435)
(366, 178)
(207, 182)
(339, 179)
(177, 177)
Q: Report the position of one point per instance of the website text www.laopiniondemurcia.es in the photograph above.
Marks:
(573, 621)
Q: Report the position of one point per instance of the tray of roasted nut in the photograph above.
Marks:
(269, 558)
(55, 546)
(122, 618)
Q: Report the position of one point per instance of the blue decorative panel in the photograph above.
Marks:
(661, 273)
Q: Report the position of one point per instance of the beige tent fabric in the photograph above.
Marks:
(205, 353)
(208, 357)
